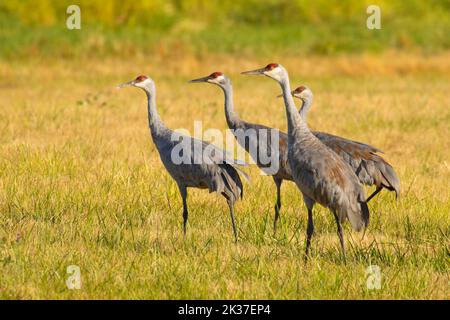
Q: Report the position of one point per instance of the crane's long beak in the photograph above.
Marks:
(204, 79)
(255, 72)
(126, 84)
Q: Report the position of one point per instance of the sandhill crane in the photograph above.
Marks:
(215, 171)
(320, 174)
(263, 143)
(370, 168)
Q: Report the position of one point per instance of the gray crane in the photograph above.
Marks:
(370, 167)
(214, 170)
(321, 175)
(253, 140)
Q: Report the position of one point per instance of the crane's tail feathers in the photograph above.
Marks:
(391, 180)
(365, 214)
(242, 173)
(233, 187)
(360, 215)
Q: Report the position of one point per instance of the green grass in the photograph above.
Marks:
(203, 27)
(81, 183)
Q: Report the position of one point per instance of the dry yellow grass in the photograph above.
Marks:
(81, 182)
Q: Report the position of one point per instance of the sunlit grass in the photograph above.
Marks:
(81, 182)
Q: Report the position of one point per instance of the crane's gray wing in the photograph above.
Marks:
(345, 144)
(197, 163)
(263, 144)
(206, 152)
(220, 156)
(370, 168)
(212, 154)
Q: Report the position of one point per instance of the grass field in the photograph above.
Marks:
(81, 182)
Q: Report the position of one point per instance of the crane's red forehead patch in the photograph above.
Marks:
(300, 89)
(271, 66)
(216, 74)
(141, 78)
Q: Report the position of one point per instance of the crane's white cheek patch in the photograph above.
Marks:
(274, 73)
(220, 79)
(143, 84)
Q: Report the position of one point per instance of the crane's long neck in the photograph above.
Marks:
(306, 106)
(154, 121)
(231, 115)
(294, 119)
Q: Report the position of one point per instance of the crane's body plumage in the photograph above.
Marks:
(216, 172)
(324, 177)
(262, 144)
(370, 167)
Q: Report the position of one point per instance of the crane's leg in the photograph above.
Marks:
(183, 193)
(277, 204)
(341, 235)
(374, 194)
(231, 206)
(310, 229)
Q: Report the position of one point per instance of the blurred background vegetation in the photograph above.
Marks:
(253, 27)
